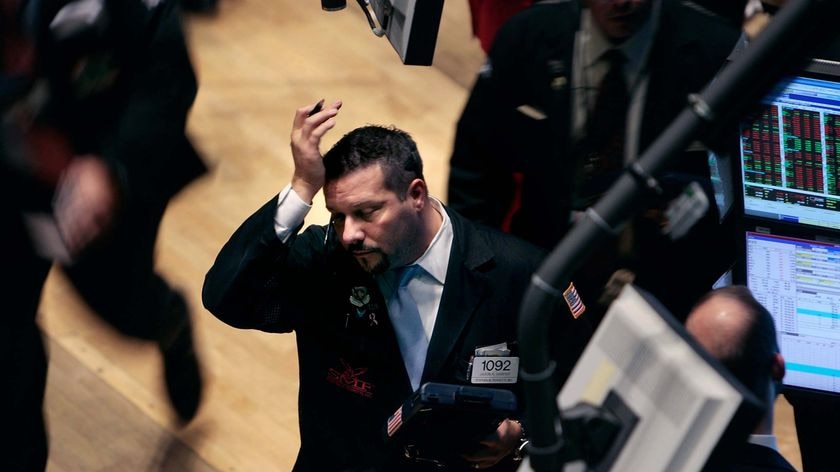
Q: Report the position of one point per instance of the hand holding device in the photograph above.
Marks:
(318, 106)
(441, 422)
(310, 125)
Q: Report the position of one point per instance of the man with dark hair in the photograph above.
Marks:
(737, 330)
(395, 292)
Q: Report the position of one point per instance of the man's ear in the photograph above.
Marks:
(777, 367)
(417, 192)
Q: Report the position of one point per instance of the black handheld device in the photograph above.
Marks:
(318, 107)
(440, 421)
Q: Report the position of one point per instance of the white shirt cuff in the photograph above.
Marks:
(291, 210)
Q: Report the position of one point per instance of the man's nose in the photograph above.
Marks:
(351, 232)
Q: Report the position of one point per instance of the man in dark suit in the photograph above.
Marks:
(737, 330)
(341, 288)
(95, 97)
(532, 151)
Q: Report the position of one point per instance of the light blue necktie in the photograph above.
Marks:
(409, 329)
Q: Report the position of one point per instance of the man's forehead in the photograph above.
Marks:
(356, 188)
(366, 178)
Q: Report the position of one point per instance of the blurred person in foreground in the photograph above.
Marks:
(95, 96)
(396, 291)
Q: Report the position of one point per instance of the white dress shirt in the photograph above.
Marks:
(291, 210)
(766, 440)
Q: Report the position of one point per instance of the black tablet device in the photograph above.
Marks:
(440, 421)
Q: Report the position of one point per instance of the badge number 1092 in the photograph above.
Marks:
(488, 370)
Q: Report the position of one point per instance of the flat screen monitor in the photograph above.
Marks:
(798, 281)
(411, 27)
(790, 150)
(677, 405)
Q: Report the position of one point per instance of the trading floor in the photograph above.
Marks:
(257, 61)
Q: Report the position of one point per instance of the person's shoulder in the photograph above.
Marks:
(501, 238)
(538, 25)
(544, 12)
(754, 457)
(141, 22)
(693, 43)
(505, 247)
(690, 20)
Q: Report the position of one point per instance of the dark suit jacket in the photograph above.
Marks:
(756, 458)
(531, 64)
(352, 376)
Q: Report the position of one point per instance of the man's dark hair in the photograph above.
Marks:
(389, 147)
(750, 359)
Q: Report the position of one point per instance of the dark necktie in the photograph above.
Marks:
(603, 146)
(601, 158)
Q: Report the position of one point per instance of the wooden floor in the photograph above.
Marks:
(257, 61)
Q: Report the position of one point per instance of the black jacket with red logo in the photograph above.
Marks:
(352, 376)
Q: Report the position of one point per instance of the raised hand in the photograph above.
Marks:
(307, 132)
(86, 202)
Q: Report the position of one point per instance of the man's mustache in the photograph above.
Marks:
(361, 247)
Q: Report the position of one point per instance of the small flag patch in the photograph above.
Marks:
(572, 298)
(395, 421)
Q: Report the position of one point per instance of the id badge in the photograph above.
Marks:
(494, 370)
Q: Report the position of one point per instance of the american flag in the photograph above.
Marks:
(395, 421)
(572, 298)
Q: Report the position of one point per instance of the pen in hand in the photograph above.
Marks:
(318, 106)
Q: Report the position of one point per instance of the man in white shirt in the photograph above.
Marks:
(396, 291)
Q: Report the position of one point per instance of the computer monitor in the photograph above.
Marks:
(798, 280)
(411, 27)
(679, 404)
(790, 150)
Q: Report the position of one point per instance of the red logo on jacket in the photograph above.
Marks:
(349, 380)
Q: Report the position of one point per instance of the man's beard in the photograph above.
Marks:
(375, 266)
